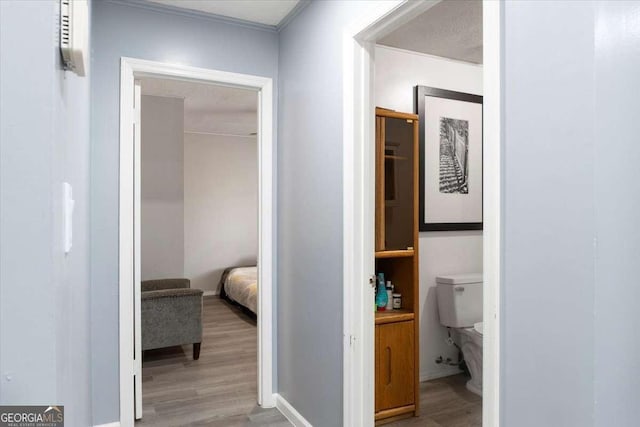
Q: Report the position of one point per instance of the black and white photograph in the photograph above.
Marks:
(450, 167)
(454, 152)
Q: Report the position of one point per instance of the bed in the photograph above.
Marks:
(239, 285)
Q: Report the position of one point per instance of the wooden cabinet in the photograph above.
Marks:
(396, 254)
(395, 365)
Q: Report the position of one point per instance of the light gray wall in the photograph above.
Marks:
(617, 200)
(162, 192)
(397, 72)
(310, 210)
(548, 213)
(220, 206)
(44, 141)
(133, 31)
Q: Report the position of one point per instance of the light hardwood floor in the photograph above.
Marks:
(218, 390)
(446, 402)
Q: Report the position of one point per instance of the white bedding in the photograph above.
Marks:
(241, 285)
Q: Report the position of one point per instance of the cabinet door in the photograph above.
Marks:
(395, 196)
(380, 185)
(395, 368)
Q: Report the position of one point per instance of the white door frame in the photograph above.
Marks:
(130, 70)
(358, 204)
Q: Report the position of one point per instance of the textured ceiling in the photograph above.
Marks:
(451, 29)
(210, 108)
(267, 12)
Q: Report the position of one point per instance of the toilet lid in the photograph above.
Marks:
(479, 327)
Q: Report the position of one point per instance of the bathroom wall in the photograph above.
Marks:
(162, 188)
(453, 252)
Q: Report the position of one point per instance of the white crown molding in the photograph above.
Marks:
(163, 8)
(292, 14)
(427, 55)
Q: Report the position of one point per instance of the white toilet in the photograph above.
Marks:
(460, 307)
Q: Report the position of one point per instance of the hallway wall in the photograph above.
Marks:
(617, 201)
(547, 322)
(44, 141)
(310, 287)
(146, 32)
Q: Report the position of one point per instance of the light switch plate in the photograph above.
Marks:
(68, 205)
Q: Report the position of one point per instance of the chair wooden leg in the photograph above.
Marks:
(196, 351)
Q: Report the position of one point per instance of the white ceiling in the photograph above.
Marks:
(210, 108)
(267, 12)
(451, 29)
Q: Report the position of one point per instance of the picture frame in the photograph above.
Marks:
(450, 171)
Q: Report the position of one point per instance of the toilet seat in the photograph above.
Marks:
(479, 327)
(476, 330)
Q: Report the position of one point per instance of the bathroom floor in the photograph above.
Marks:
(446, 402)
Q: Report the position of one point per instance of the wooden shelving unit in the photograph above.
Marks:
(396, 255)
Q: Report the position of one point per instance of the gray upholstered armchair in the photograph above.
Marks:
(171, 314)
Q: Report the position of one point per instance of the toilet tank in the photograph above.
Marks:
(459, 300)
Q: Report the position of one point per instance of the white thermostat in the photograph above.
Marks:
(74, 34)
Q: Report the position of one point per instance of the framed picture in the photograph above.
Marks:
(450, 159)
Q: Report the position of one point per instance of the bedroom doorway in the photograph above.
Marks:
(198, 276)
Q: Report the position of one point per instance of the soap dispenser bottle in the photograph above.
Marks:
(381, 295)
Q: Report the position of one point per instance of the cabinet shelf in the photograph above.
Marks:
(392, 316)
(402, 253)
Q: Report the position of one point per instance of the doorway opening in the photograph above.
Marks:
(168, 229)
(385, 67)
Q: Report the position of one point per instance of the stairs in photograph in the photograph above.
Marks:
(451, 177)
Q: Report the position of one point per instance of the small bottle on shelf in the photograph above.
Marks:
(389, 295)
(397, 301)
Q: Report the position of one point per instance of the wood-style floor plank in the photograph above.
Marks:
(446, 402)
(219, 389)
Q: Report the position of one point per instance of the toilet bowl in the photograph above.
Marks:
(460, 308)
(471, 344)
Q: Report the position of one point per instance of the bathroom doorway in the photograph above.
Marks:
(361, 98)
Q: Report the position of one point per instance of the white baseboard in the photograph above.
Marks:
(290, 412)
(209, 293)
(113, 424)
(440, 373)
